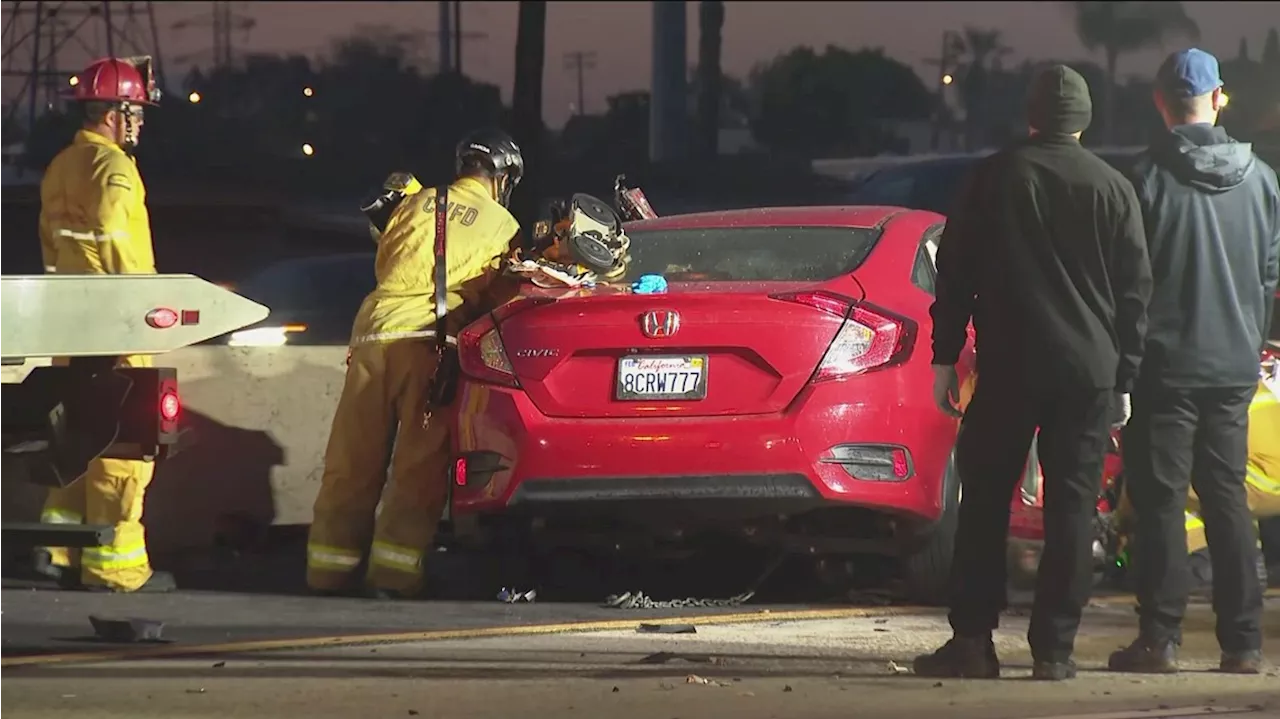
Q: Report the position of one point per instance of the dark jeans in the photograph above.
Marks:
(991, 454)
(1196, 437)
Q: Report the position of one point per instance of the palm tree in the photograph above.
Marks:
(710, 27)
(983, 52)
(1122, 28)
(526, 104)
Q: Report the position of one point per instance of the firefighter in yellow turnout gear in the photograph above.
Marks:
(392, 361)
(93, 220)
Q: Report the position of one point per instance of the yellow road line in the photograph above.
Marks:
(525, 630)
(1183, 713)
(1129, 599)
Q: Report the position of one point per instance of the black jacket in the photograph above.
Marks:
(1212, 216)
(1045, 251)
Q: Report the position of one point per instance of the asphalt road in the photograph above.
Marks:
(769, 665)
(262, 597)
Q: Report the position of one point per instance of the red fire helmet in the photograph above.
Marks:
(114, 79)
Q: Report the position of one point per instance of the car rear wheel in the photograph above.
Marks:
(926, 567)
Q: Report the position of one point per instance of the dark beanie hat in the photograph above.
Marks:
(1059, 103)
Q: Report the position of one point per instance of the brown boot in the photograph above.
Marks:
(960, 658)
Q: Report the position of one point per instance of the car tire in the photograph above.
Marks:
(926, 566)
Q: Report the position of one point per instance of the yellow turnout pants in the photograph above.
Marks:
(111, 492)
(384, 397)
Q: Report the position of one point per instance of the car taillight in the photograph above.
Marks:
(460, 471)
(480, 350)
(870, 338)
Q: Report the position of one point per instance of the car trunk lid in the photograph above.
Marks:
(701, 349)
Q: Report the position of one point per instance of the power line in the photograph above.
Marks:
(579, 61)
(223, 20)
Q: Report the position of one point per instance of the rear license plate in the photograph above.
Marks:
(642, 377)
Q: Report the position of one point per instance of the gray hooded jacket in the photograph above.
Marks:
(1211, 210)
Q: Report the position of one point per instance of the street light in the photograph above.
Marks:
(73, 80)
(194, 97)
(308, 91)
(308, 150)
(947, 79)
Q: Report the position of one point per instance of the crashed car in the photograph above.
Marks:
(757, 374)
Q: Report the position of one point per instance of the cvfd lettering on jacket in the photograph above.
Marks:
(402, 306)
(457, 212)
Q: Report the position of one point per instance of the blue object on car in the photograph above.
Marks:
(649, 285)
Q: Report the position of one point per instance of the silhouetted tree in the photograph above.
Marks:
(1271, 50)
(813, 104)
(983, 51)
(1122, 28)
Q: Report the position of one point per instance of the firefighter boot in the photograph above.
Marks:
(158, 583)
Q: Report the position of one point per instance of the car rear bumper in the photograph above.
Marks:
(537, 461)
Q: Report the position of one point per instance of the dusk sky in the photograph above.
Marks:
(619, 34)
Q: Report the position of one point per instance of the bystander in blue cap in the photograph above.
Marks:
(1188, 73)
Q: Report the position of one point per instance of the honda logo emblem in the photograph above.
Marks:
(660, 323)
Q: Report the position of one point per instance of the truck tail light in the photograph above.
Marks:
(169, 405)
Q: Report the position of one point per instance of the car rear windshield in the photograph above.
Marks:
(749, 254)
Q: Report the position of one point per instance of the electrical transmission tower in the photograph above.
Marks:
(223, 19)
(578, 62)
(46, 43)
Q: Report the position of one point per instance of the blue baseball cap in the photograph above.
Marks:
(1189, 73)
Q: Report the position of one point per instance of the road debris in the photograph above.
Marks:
(897, 668)
(667, 629)
(640, 600)
(664, 657)
(126, 630)
(695, 679)
(512, 596)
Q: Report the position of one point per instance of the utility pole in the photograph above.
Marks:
(668, 120)
(446, 35)
(450, 36)
(578, 61)
(457, 36)
(947, 63)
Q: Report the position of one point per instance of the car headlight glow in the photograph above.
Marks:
(264, 336)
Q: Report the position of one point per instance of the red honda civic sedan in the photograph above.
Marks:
(778, 392)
